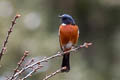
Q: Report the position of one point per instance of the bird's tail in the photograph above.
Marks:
(65, 62)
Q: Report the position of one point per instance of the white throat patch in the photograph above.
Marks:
(63, 24)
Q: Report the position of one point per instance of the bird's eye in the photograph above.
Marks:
(64, 18)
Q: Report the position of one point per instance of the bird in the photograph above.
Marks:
(68, 37)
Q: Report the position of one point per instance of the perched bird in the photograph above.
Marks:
(68, 37)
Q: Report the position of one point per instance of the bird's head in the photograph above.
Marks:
(67, 19)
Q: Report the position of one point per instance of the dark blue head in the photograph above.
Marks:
(67, 19)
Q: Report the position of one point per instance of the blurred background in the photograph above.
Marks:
(37, 32)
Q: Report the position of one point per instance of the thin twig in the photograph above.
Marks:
(30, 74)
(19, 64)
(8, 34)
(54, 73)
(30, 62)
(85, 45)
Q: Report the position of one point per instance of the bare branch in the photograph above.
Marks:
(30, 62)
(19, 64)
(8, 34)
(85, 45)
(54, 73)
(30, 74)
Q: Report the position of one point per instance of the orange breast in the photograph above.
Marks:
(68, 33)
